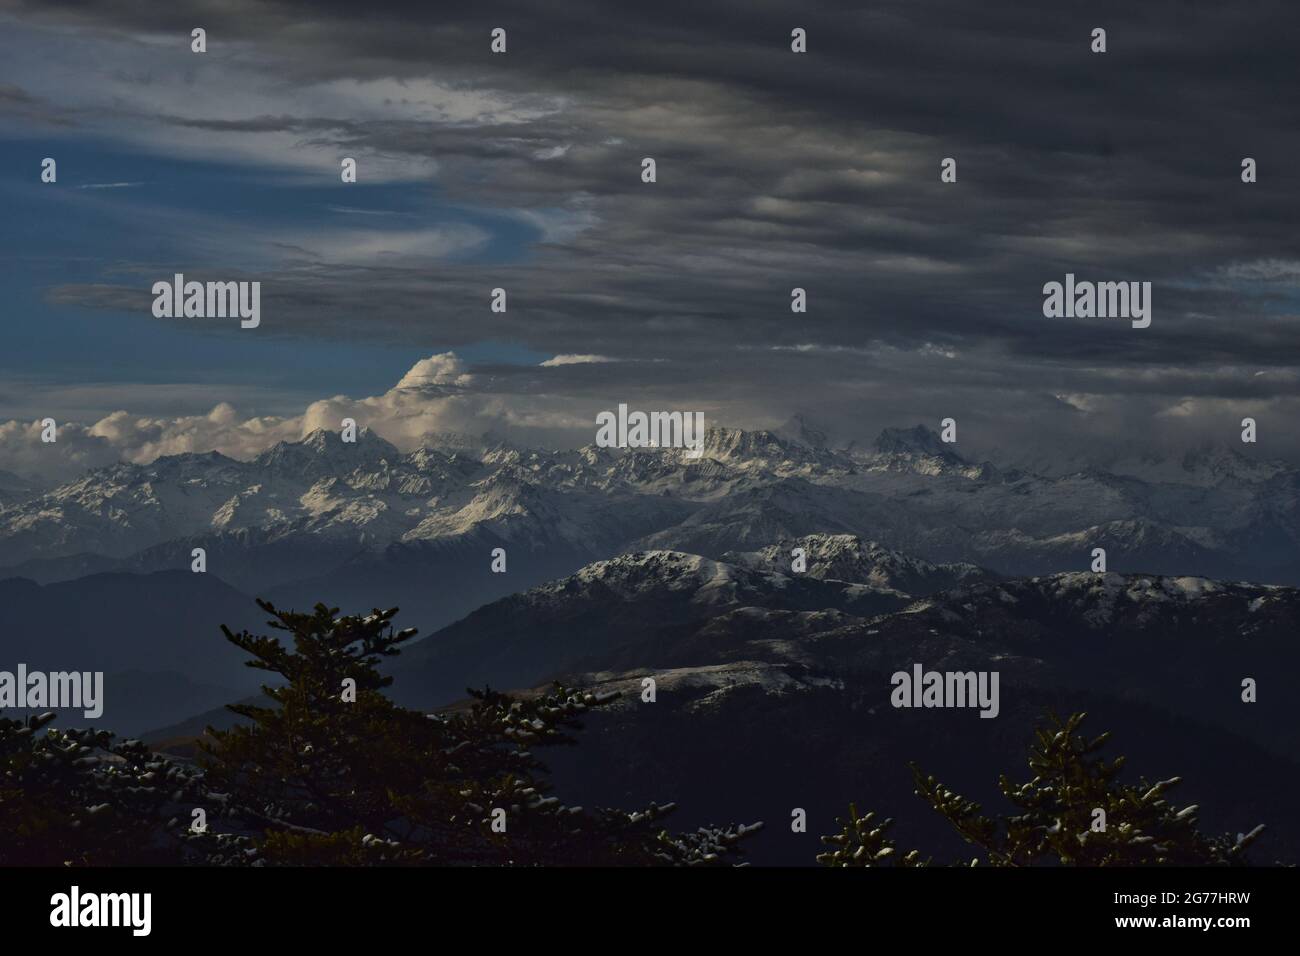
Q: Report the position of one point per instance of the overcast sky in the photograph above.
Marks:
(523, 171)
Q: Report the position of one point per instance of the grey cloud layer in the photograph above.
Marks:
(819, 171)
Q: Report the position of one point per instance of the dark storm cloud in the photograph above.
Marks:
(18, 104)
(819, 171)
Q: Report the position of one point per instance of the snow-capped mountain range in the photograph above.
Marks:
(846, 557)
(304, 510)
(623, 564)
(1164, 639)
(773, 686)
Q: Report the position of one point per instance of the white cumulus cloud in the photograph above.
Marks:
(437, 394)
(575, 360)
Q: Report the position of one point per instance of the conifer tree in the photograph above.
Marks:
(336, 773)
(79, 797)
(865, 841)
(1073, 811)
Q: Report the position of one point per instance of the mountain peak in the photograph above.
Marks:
(324, 452)
(323, 439)
(919, 440)
(771, 449)
(1217, 463)
(800, 429)
(849, 557)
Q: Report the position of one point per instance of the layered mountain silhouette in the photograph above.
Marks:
(1171, 641)
(156, 637)
(770, 588)
(322, 513)
(770, 693)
